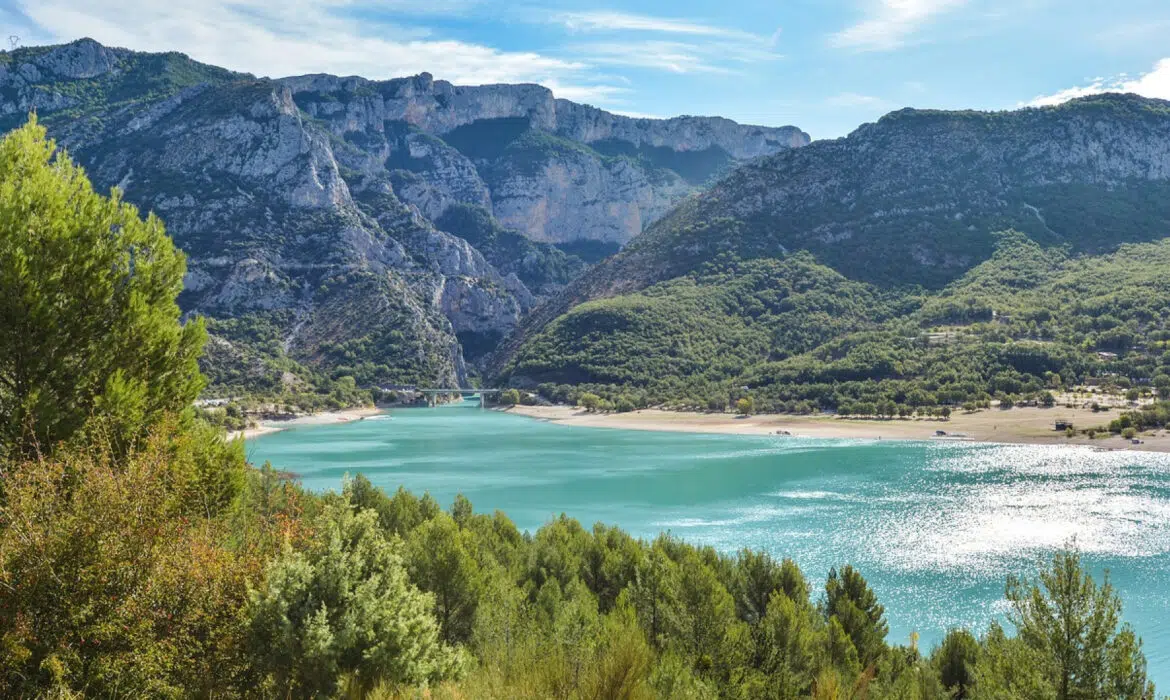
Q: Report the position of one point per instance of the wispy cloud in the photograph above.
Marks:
(891, 24)
(669, 56)
(670, 44)
(301, 36)
(637, 115)
(590, 94)
(1155, 83)
(606, 20)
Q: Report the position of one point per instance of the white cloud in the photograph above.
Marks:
(666, 44)
(1155, 83)
(589, 94)
(891, 24)
(605, 20)
(273, 38)
(669, 56)
(675, 56)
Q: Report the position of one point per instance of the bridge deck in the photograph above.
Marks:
(457, 391)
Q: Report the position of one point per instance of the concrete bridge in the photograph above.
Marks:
(434, 394)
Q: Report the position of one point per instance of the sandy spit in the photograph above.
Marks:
(324, 418)
(1032, 426)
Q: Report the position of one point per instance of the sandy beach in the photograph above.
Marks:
(1018, 425)
(324, 418)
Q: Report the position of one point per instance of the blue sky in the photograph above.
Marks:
(824, 65)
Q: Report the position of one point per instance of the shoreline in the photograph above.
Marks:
(323, 418)
(1018, 426)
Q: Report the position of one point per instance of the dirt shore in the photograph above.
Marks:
(324, 418)
(1033, 426)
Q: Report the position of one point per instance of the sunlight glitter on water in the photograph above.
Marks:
(935, 527)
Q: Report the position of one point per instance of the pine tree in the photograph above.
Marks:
(89, 328)
(345, 606)
(850, 600)
(1075, 623)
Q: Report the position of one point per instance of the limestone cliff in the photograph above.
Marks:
(552, 169)
(307, 206)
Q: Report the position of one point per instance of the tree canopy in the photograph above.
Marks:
(90, 333)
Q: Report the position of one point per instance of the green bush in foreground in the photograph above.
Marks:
(344, 605)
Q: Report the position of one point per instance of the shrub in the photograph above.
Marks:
(589, 401)
(344, 606)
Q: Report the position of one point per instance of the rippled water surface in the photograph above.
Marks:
(934, 527)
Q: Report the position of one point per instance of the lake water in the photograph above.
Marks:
(934, 527)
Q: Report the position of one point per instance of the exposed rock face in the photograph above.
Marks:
(559, 188)
(438, 107)
(306, 205)
(589, 125)
(450, 177)
(573, 196)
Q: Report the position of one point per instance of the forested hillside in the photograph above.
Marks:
(929, 259)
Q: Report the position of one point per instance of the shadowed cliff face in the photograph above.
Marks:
(307, 206)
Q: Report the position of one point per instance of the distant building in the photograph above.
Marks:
(207, 403)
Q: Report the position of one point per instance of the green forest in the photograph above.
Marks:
(798, 337)
(925, 263)
(142, 556)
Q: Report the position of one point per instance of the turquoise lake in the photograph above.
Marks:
(934, 527)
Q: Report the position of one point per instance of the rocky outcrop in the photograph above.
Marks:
(438, 107)
(436, 176)
(306, 205)
(572, 195)
(741, 141)
(598, 176)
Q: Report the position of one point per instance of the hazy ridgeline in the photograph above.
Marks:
(140, 556)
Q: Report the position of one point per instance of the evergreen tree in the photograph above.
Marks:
(955, 660)
(1008, 668)
(89, 327)
(791, 643)
(757, 577)
(654, 595)
(706, 610)
(1075, 623)
(440, 561)
(344, 606)
(850, 600)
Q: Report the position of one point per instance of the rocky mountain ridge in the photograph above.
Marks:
(518, 152)
(308, 206)
(912, 201)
